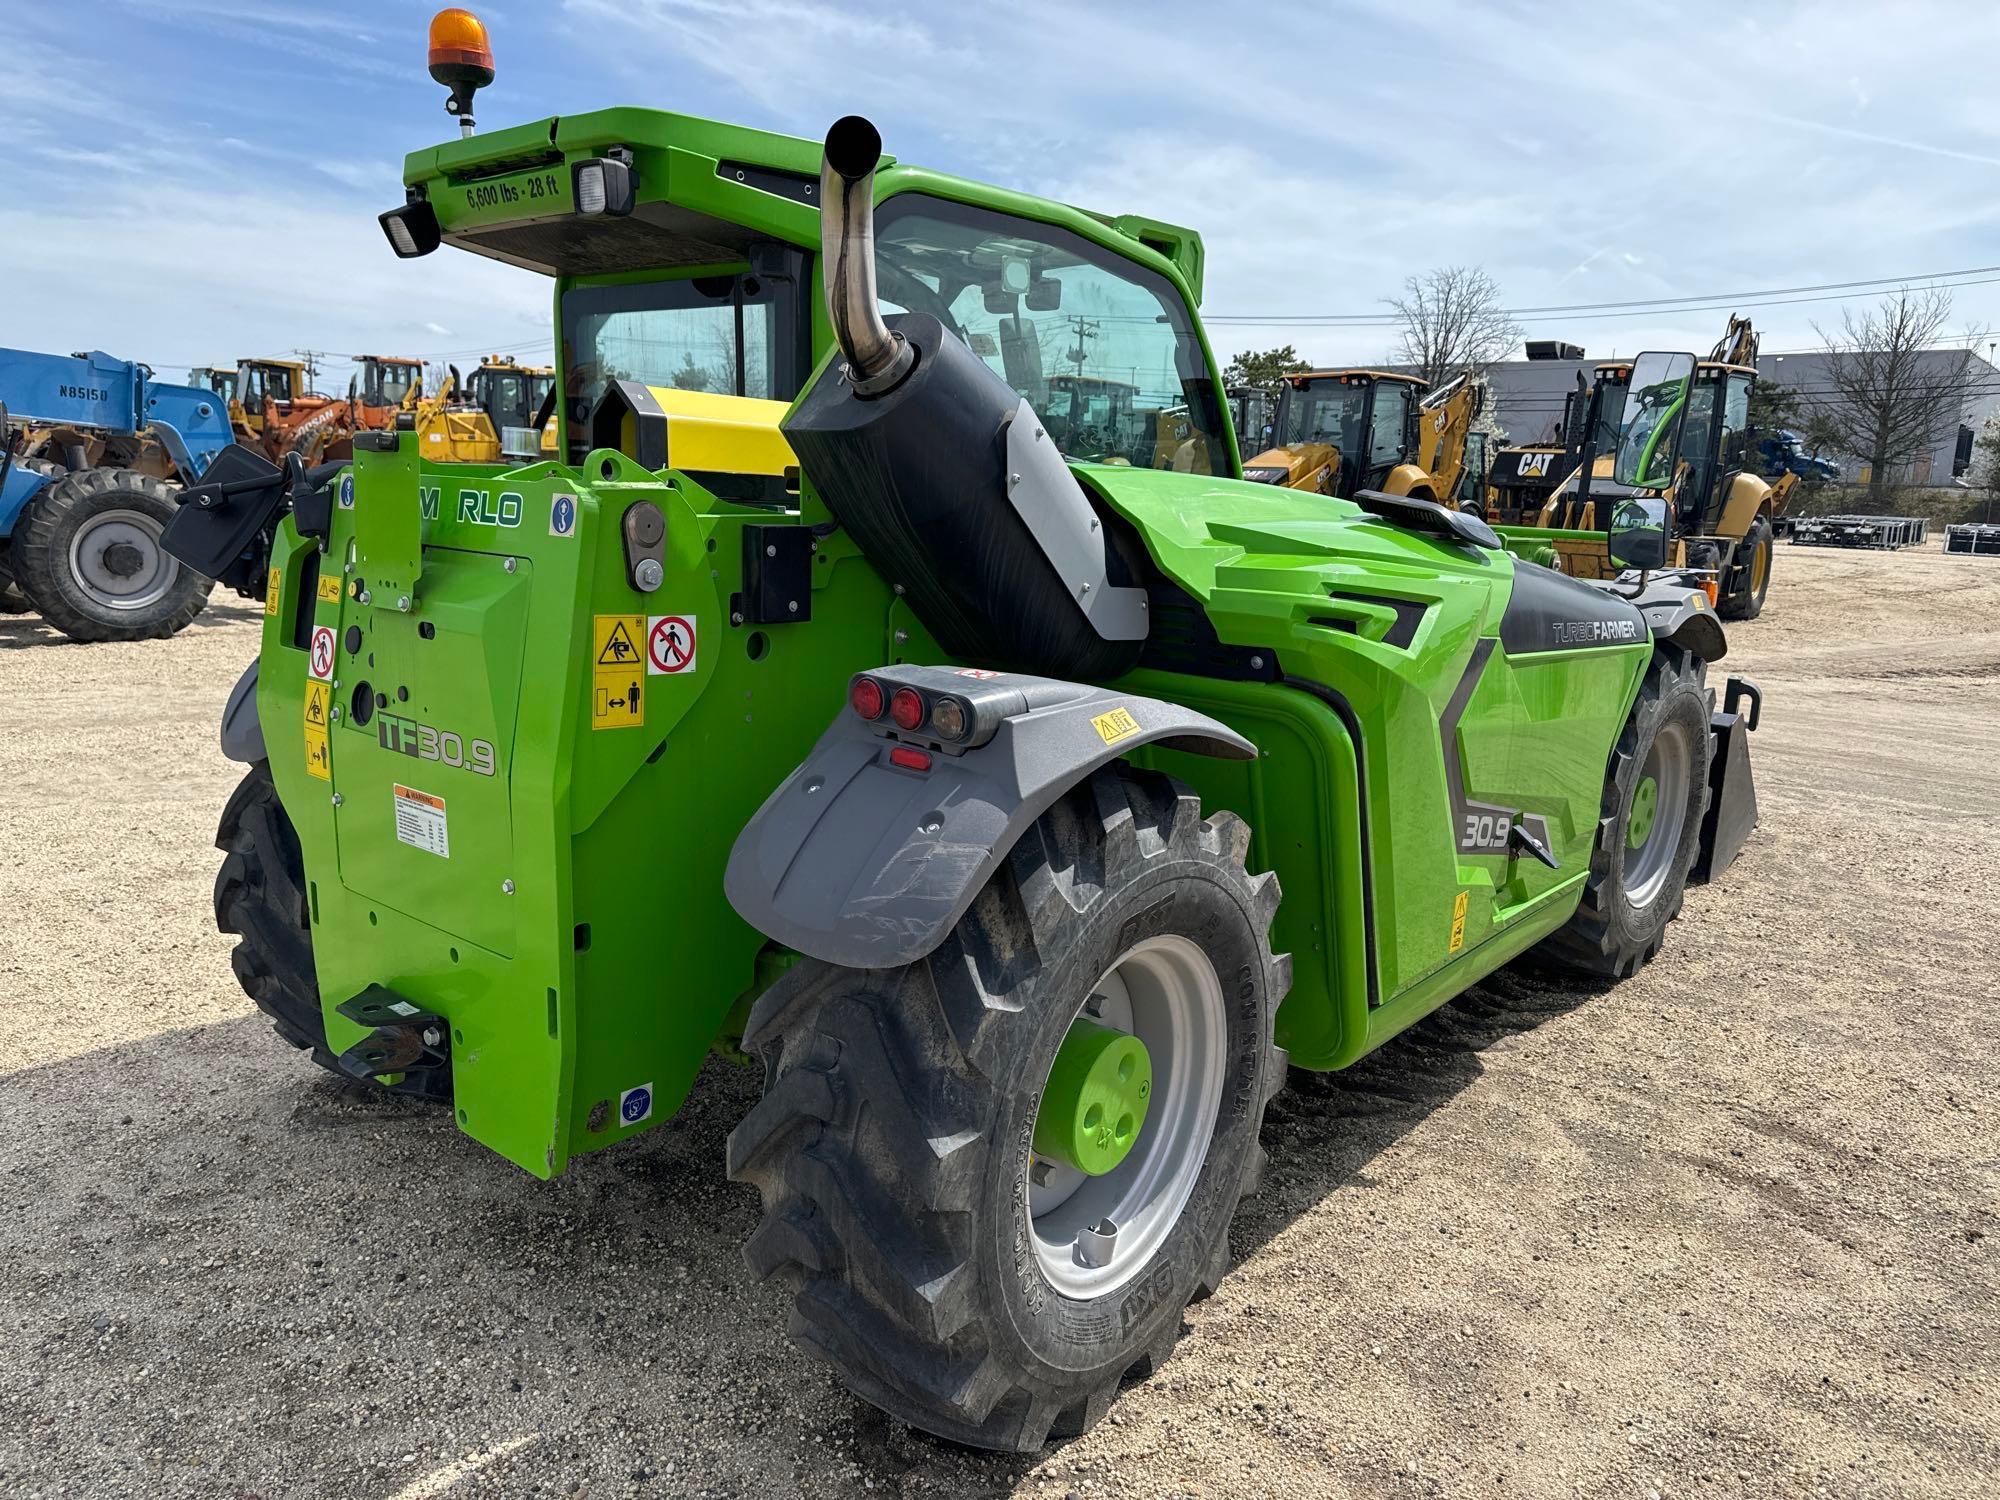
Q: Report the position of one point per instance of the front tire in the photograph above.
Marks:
(88, 553)
(1649, 825)
(894, 1146)
(1751, 578)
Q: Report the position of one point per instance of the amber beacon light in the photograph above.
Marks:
(461, 59)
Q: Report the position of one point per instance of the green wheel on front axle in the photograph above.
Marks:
(973, 1249)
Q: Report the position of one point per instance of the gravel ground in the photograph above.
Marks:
(1725, 1229)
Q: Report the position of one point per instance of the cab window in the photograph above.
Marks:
(1388, 425)
(1105, 350)
(735, 334)
(1735, 421)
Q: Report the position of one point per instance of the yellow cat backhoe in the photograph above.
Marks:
(1726, 513)
(1340, 431)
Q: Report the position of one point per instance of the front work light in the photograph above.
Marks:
(412, 229)
(604, 185)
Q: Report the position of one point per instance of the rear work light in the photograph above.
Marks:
(864, 696)
(605, 185)
(907, 708)
(412, 229)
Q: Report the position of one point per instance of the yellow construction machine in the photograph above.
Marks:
(1725, 512)
(1337, 432)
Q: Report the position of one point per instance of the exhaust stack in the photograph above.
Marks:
(877, 359)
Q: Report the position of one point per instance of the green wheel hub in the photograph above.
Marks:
(1645, 803)
(1095, 1104)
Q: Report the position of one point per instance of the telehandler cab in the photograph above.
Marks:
(953, 777)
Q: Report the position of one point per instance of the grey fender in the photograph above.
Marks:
(242, 734)
(1676, 610)
(1680, 614)
(863, 863)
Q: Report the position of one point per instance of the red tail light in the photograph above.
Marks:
(906, 707)
(910, 758)
(865, 697)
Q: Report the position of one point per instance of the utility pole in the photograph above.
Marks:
(311, 359)
(1083, 330)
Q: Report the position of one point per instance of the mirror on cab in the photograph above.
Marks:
(1641, 532)
(1649, 432)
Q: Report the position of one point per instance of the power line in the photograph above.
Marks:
(1375, 319)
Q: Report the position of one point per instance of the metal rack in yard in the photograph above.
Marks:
(1885, 532)
(1973, 537)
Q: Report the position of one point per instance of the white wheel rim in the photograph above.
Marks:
(115, 557)
(1668, 761)
(1167, 993)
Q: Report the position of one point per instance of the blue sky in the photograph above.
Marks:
(193, 180)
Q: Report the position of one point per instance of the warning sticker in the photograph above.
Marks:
(670, 643)
(1115, 726)
(980, 673)
(420, 821)
(618, 675)
(615, 641)
(321, 663)
(273, 587)
(319, 696)
(1458, 921)
(329, 588)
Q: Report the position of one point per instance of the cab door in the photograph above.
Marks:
(1388, 437)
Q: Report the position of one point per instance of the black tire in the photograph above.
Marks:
(1619, 925)
(79, 505)
(1750, 579)
(13, 598)
(260, 900)
(892, 1140)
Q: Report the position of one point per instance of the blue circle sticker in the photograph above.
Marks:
(347, 490)
(635, 1105)
(562, 515)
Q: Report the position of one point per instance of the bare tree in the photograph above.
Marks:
(1452, 321)
(1892, 391)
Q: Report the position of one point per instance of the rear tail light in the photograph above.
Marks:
(906, 707)
(864, 696)
(910, 758)
(949, 720)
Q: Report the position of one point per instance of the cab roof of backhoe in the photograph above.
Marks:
(1307, 377)
(707, 192)
(1624, 367)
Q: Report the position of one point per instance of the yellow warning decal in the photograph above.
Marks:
(1115, 726)
(329, 588)
(618, 672)
(1458, 920)
(319, 698)
(273, 587)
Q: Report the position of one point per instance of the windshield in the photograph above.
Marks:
(393, 382)
(1103, 349)
(1323, 411)
(503, 395)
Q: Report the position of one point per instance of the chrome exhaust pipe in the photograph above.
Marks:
(877, 359)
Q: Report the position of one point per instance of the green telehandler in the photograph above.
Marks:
(953, 776)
